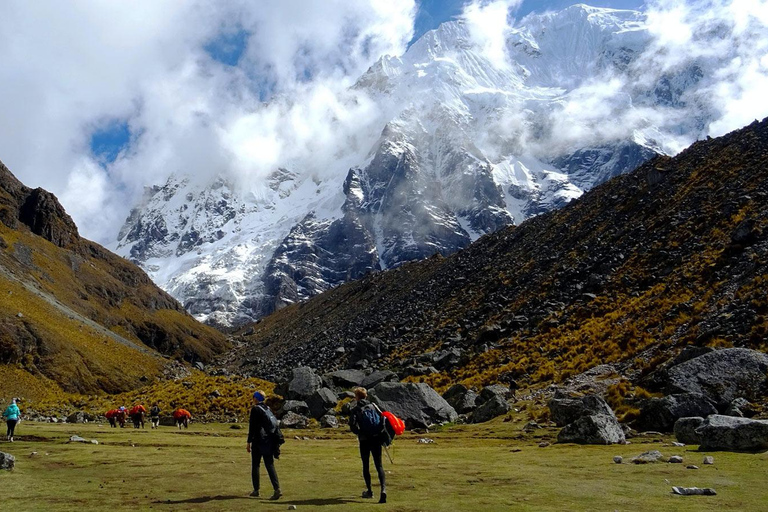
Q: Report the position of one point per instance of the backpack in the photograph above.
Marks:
(271, 426)
(370, 422)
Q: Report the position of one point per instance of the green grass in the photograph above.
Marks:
(476, 468)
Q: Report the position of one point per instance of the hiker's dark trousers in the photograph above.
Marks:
(368, 448)
(11, 427)
(269, 463)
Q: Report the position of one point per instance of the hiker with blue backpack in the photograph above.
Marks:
(264, 440)
(366, 420)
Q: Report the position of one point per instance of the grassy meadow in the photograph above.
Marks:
(494, 466)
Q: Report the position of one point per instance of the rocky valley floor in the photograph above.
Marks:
(494, 466)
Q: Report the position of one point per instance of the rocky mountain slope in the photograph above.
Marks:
(75, 315)
(462, 145)
(672, 254)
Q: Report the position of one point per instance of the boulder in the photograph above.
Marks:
(446, 359)
(80, 417)
(462, 399)
(660, 414)
(417, 404)
(593, 429)
(648, 457)
(296, 406)
(564, 411)
(7, 461)
(329, 421)
(293, 420)
(734, 434)
(741, 408)
(303, 384)
(368, 349)
(494, 407)
(321, 401)
(722, 375)
(685, 429)
(378, 376)
(499, 390)
(345, 379)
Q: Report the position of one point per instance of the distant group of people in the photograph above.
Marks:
(12, 416)
(265, 438)
(138, 413)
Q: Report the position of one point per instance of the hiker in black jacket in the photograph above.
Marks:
(366, 421)
(262, 443)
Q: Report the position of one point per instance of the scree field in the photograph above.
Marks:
(474, 468)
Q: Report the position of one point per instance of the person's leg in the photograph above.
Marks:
(365, 451)
(376, 453)
(11, 428)
(269, 463)
(255, 463)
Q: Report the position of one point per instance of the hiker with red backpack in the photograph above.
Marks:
(367, 421)
(264, 440)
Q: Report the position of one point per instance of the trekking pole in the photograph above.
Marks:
(386, 449)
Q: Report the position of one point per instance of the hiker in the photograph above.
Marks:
(121, 416)
(366, 421)
(137, 414)
(12, 416)
(263, 442)
(154, 415)
(182, 417)
(112, 417)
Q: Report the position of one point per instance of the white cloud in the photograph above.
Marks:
(69, 68)
(488, 24)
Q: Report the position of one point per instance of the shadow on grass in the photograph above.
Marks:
(201, 499)
(319, 502)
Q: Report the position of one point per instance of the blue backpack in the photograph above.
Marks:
(370, 422)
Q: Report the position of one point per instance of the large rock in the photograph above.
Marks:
(685, 430)
(7, 461)
(80, 417)
(417, 404)
(321, 402)
(564, 411)
(296, 406)
(593, 429)
(500, 390)
(741, 408)
(722, 375)
(293, 420)
(462, 399)
(345, 379)
(735, 434)
(494, 407)
(303, 384)
(379, 376)
(660, 414)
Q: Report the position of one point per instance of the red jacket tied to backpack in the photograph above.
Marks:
(397, 425)
(179, 414)
(136, 409)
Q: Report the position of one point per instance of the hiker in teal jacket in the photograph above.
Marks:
(12, 415)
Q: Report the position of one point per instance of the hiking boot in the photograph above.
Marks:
(368, 494)
(278, 494)
(254, 494)
(383, 498)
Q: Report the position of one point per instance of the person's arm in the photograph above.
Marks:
(252, 429)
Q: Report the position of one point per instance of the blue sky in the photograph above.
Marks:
(107, 142)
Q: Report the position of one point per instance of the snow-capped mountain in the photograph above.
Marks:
(466, 144)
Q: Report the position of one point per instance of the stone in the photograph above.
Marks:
(660, 414)
(708, 460)
(734, 434)
(425, 440)
(296, 406)
(500, 390)
(320, 402)
(329, 421)
(675, 459)
(462, 399)
(293, 420)
(564, 411)
(78, 439)
(741, 408)
(593, 429)
(693, 491)
(618, 459)
(531, 426)
(7, 461)
(291, 507)
(648, 457)
(685, 430)
(304, 382)
(496, 406)
(378, 376)
(345, 379)
(418, 405)
(80, 417)
(691, 466)
(722, 375)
